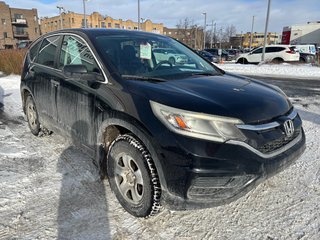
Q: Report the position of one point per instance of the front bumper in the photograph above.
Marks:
(216, 174)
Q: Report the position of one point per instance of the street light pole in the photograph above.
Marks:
(204, 30)
(251, 36)
(60, 11)
(266, 31)
(138, 14)
(84, 14)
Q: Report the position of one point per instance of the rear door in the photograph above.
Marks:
(45, 81)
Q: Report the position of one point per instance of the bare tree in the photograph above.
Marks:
(189, 33)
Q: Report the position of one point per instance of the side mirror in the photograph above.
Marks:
(71, 70)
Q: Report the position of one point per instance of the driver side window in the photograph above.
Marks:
(75, 51)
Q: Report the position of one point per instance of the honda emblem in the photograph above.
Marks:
(288, 128)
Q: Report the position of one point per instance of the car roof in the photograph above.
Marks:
(102, 31)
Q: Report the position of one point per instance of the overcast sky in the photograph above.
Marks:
(169, 12)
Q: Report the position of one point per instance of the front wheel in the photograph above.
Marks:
(133, 177)
(32, 116)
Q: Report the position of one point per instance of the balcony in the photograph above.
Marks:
(20, 34)
(19, 21)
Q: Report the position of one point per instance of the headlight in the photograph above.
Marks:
(198, 125)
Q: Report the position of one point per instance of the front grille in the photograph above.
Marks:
(278, 143)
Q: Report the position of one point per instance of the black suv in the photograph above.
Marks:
(184, 136)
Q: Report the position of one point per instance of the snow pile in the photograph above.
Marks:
(274, 70)
(51, 190)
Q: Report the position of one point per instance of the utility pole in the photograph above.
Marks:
(138, 14)
(204, 30)
(214, 34)
(251, 36)
(60, 14)
(266, 31)
(84, 14)
(211, 33)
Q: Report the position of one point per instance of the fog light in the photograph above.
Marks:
(219, 187)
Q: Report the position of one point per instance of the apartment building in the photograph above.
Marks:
(95, 20)
(17, 25)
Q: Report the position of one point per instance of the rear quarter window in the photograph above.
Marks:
(47, 52)
(34, 51)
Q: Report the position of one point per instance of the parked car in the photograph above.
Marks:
(208, 56)
(24, 44)
(215, 51)
(171, 55)
(274, 53)
(182, 136)
(233, 53)
(307, 53)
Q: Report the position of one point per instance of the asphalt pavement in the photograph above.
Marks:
(294, 87)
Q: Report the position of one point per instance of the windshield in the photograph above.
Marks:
(148, 55)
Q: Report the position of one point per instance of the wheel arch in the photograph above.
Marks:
(114, 126)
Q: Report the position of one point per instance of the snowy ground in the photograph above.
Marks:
(50, 190)
(274, 70)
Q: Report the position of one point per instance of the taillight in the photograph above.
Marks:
(291, 52)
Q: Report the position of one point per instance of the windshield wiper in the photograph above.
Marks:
(203, 74)
(137, 77)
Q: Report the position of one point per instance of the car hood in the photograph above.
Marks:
(224, 95)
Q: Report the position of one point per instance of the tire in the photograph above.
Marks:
(133, 177)
(242, 61)
(32, 116)
(172, 60)
(277, 60)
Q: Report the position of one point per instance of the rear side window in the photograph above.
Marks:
(34, 50)
(47, 51)
(75, 51)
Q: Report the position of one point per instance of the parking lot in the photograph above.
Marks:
(50, 190)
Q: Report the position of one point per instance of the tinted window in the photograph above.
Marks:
(259, 50)
(75, 51)
(47, 51)
(34, 50)
(274, 49)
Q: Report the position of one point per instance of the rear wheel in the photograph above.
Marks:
(172, 61)
(277, 60)
(242, 61)
(32, 116)
(133, 177)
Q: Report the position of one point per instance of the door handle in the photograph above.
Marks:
(55, 82)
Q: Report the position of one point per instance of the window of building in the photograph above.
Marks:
(96, 26)
(75, 51)
(72, 20)
(117, 25)
(3, 21)
(109, 25)
(5, 34)
(129, 28)
(82, 23)
(103, 24)
(135, 28)
(35, 18)
(36, 30)
(47, 51)
(18, 16)
(154, 28)
(55, 23)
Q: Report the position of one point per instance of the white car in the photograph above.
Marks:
(168, 54)
(274, 53)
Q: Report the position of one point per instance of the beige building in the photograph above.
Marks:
(243, 40)
(192, 37)
(17, 25)
(95, 20)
